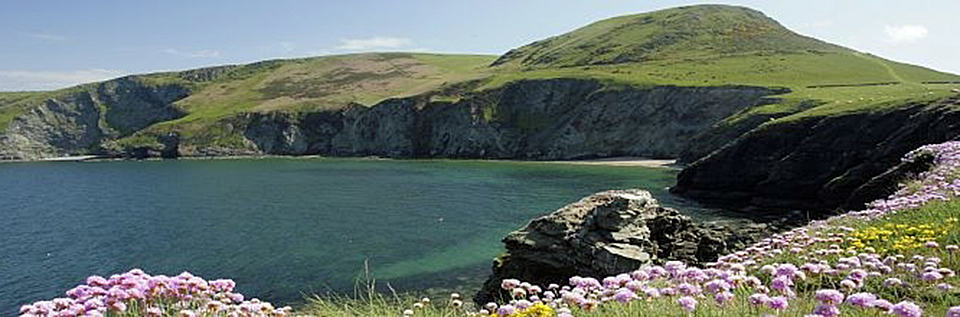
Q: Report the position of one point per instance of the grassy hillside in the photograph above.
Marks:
(707, 45)
(683, 32)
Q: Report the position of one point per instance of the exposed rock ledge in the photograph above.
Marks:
(608, 233)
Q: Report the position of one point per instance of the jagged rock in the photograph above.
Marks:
(818, 163)
(608, 233)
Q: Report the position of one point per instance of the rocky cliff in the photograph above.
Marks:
(78, 121)
(820, 162)
(609, 233)
(543, 119)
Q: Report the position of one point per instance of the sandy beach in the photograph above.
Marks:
(622, 161)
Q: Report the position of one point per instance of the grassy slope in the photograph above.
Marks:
(722, 45)
(690, 46)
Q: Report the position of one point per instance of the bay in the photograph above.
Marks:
(282, 228)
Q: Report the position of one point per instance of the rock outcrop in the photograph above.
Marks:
(609, 233)
(818, 163)
(79, 121)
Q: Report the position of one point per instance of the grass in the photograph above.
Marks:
(677, 33)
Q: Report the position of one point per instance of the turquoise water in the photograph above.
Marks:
(281, 228)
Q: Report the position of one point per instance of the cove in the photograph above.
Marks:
(282, 228)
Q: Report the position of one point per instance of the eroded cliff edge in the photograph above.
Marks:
(818, 163)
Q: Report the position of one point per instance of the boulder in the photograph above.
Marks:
(608, 233)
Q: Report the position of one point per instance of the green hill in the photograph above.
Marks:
(699, 46)
(683, 32)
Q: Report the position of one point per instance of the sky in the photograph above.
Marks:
(54, 44)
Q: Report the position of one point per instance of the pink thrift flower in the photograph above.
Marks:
(882, 305)
(907, 309)
(953, 311)
(687, 303)
(829, 296)
(863, 300)
(778, 303)
(826, 310)
(723, 297)
(758, 299)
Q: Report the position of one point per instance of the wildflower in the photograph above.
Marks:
(882, 305)
(723, 297)
(891, 282)
(953, 311)
(510, 284)
(506, 310)
(652, 292)
(688, 289)
(778, 303)
(409, 312)
(781, 283)
(758, 299)
(931, 244)
(687, 303)
(907, 309)
(849, 284)
(829, 296)
(826, 310)
(523, 304)
(625, 295)
(931, 276)
(863, 300)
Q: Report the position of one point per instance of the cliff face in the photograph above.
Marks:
(549, 119)
(818, 163)
(78, 122)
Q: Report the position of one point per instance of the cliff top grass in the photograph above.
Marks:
(705, 45)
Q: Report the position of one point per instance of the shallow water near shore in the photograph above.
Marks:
(281, 228)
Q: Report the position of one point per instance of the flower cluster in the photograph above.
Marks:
(138, 293)
(900, 238)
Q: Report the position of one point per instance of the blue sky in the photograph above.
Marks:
(54, 44)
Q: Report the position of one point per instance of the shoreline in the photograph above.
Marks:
(619, 161)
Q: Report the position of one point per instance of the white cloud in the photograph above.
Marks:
(373, 43)
(18, 80)
(45, 36)
(193, 54)
(905, 33)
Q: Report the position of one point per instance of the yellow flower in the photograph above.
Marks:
(537, 310)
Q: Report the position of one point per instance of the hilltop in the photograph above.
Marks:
(677, 33)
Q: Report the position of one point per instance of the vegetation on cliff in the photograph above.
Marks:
(708, 45)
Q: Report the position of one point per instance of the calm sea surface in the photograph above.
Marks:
(281, 228)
